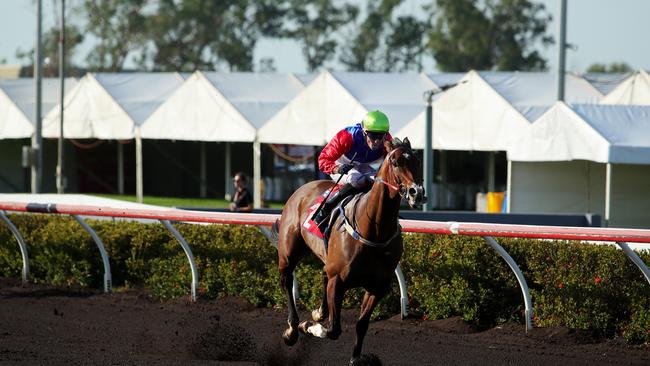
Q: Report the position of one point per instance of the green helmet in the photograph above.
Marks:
(376, 121)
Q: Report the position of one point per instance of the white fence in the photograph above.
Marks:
(488, 231)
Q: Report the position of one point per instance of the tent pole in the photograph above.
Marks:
(509, 187)
(491, 171)
(37, 137)
(444, 184)
(227, 188)
(60, 178)
(428, 151)
(120, 167)
(561, 50)
(608, 192)
(138, 166)
(204, 190)
(257, 174)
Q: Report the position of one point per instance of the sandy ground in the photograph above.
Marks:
(55, 326)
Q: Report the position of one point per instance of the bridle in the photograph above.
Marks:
(398, 186)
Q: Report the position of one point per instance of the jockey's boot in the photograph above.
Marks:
(321, 219)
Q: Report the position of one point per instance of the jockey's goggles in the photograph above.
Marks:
(375, 135)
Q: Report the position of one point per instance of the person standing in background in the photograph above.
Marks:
(242, 200)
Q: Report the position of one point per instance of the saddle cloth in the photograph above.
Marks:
(309, 224)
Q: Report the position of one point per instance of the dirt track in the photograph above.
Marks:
(41, 325)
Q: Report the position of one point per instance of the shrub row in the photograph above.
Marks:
(581, 286)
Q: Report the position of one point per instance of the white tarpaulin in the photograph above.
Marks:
(585, 158)
(489, 110)
(221, 106)
(17, 104)
(634, 90)
(446, 78)
(110, 106)
(605, 82)
(601, 133)
(580, 186)
(335, 100)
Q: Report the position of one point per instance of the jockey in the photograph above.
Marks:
(350, 152)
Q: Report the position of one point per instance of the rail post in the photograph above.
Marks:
(636, 259)
(21, 243)
(520, 277)
(108, 279)
(188, 253)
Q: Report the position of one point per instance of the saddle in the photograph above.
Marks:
(312, 227)
(309, 223)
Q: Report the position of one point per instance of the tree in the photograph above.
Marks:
(365, 52)
(120, 27)
(615, 67)
(497, 36)
(73, 38)
(405, 44)
(189, 35)
(384, 44)
(313, 24)
(182, 33)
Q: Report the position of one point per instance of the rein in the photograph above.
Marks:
(396, 187)
(388, 184)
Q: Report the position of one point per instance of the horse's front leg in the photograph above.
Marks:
(370, 301)
(335, 292)
(323, 311)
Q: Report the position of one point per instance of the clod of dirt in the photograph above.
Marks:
(368, 359)
(225, 343)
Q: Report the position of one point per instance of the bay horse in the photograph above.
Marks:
(365, 244)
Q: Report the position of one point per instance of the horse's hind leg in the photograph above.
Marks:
(370, 301)
(290, 251)
(322, 312)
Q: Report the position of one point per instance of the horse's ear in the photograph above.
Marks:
(406, 142)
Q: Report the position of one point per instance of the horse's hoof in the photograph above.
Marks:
(334, 334)
(317, 315)
(290, 337)
(303, 326)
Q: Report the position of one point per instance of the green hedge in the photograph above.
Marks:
(581, 286)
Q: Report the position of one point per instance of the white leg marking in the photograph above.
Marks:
(317, 330)
(316, 315)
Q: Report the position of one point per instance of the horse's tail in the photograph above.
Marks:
(275, 229)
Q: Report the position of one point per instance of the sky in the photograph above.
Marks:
(603, 31)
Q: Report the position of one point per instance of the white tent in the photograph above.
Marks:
(605, 82)
(488, 110)
(335, 100)
(228, 107)
(221, 106)
(634, 90)
(17, 100)
(601, 133)
(446, 78)
(112, 107)
(585, 158)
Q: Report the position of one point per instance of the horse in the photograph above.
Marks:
(365, 244)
